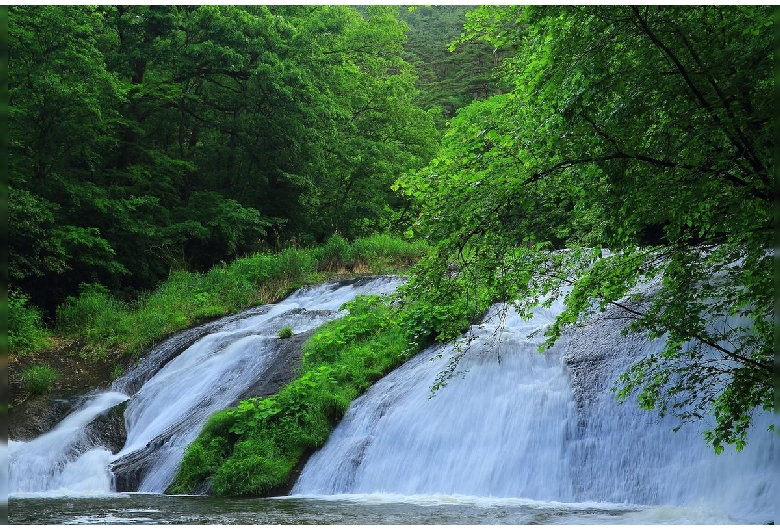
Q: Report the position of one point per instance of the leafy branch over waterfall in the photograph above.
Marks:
(644, 130)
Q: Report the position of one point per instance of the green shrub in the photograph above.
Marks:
(87, 309)
(39, 379)
(103, 321)
(335, 254)
(286, 332)
(250, 471)
(383, 252)
(117, 371)
(26, 331)
(294, 265)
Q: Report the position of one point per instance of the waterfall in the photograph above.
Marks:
(513, 423)
(171, 394)
(544, 426)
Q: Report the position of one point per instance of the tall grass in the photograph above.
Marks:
(39, 379)
(110, 328)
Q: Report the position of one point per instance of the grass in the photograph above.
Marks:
(39, 379)
(112, 330)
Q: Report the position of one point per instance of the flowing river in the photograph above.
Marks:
(515, 437)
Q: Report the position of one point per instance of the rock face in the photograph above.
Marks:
(284, 369)
(130, 470)
(599, 343)
(108, 429)
(38, 415)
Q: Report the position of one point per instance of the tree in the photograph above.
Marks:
(449, 77)
(62, 104)
(146, 139)
(646, 130)
(373, 131)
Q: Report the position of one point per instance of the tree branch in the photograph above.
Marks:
(642, 22)
(754, 160)
(733, 355)
(669, 164)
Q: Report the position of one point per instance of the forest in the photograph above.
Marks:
(493, 153)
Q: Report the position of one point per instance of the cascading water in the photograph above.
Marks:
(169, 400)
(63, 458)
(473, 437)
(523, 435)
(536, 426)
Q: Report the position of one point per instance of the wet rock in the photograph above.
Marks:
(108, 429)
(285, 367)
(596, 345)
(130, 470)
(38, 415)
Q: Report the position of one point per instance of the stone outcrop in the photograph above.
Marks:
(599, 347)
(108, 429)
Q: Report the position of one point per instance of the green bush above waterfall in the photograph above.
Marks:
(110, 327)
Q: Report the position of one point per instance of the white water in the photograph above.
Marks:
(50, 462)
(514, 431)
(177, 400)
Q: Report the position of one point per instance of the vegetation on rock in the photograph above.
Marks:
(255, 448)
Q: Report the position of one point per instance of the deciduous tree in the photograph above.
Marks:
(645, 130)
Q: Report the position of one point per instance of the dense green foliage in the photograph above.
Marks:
(151, 139)
(107, 327)
(645, 130)
(253, 449)
(449, 77)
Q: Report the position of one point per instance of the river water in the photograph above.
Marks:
(374, 509)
